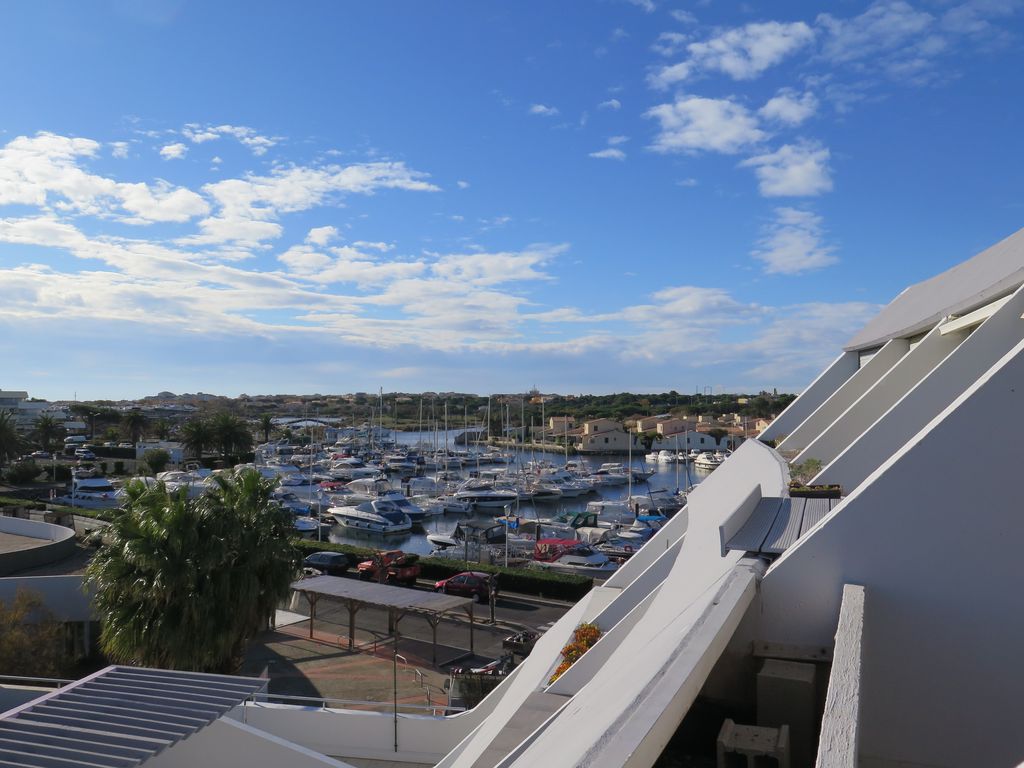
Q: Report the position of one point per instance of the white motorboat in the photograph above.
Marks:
(376, 516)
(612, 512)
(92, 493)
(485, 495)
(667, 457)
(571, 556)
(305, 524)
(708, 461)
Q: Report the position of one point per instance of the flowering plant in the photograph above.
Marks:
(585, 635)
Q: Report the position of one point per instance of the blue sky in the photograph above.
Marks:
(579, 196)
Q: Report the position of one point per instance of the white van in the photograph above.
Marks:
(74, 439)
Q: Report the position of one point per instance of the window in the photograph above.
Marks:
(606, 439)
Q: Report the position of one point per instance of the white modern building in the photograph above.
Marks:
(882, 628)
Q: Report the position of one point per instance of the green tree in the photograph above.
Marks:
(157, 459)
(162, 429)
(266, 424)
(230, 433)
(185, 583)
(134, 425)
(47, 430)
(197, 436)
(31, 639)
(11, 443)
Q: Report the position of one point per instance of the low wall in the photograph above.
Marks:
(58, 543)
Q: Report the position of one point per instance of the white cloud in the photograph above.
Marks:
(669, 43)
(690, 182)
(695, 123)
(793, 170)
(462, 184)
(647, 6)
(119, 149)
(743, 53)
(612, 104)
(683, 17)
(248, 137)
(321, 235)
(374, 246)
(541, 109)
(46, 170)
(794, 243)
(614, 141)
(249, 206)
(174, 151)
(216, 160)
(884, 27)
(789, 108)
(611, 153)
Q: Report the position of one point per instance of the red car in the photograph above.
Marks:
(468, 584)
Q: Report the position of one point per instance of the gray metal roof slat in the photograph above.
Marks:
(753, 532)
(74, 722)
(815, 510)
(58, 736)
(117, 718)
(155, 702)
(27, 727)
(113, 708)
(43, 761)
(786, 529)
(129, 717)
(244, 686)
(51, 749)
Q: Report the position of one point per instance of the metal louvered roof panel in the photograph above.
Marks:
(750, 537)
(786, 529)
(118, 717)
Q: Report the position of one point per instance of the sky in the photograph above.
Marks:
(583, 197)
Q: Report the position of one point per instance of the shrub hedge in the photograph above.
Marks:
(554, 585)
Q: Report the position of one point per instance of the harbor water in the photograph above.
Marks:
(666, 476)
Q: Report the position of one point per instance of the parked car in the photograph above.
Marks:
(331, 563)
(392, 567)
(40, 455)
(472, 584)
(84, 453)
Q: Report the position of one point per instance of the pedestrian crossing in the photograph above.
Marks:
(545, 627)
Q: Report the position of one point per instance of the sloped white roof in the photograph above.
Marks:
(994, 272)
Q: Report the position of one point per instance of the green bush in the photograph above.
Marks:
(118, 467)
(103, 467)
(59, 473)
(561, 586)
(23, 472)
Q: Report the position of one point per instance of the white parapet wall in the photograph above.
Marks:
(229, 744)
(899, 380)
(846, 395)
(944, 383)
(828, 381)
(942, 671)
(838, 744)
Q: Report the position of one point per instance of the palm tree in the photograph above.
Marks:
(197, 436)
(134, 424)
(185, 583)
(47, 430)
(231, 433)
(162, 429)
(267, 425)
(11, 443)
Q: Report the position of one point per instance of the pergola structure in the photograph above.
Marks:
(399, 601)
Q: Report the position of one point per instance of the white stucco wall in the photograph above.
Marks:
(846, 395)
(229, 744)
(902, 377)
(931, 539)
(828, 381)
(952, 376)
